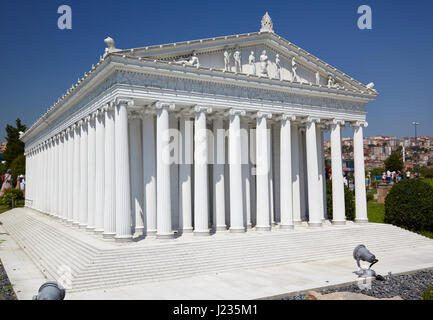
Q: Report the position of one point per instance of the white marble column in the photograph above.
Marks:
(286, 203)
(201, 181)
(109, 175)
(149, 173)
(76, 175)
(70, 174)
(64, 187)
(100, 172)
(91, 171)
(59, 180)
(338, 206)
(236, 195)
(262, 173)
(321, 177)
(163, 183)
(185, 173)
(136, 165)
(314, 196)
(296, 182)
(48, 175)
(123, 186)
(219, 214)
(360, 193)
(84, 173)
(246, 172)
(55, 176)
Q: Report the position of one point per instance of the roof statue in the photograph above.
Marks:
(267, 25)
(111, 46)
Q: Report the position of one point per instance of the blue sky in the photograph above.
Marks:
(39, 62)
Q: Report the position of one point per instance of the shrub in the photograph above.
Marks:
(428, 294)
(370, 196)
(349, 201)
(409, 204)
(6, 200)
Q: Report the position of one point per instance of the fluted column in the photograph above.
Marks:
(163, 183)
(136, 167)
(109, 176)
(201, 190)
(100, 172)
(219, 214)
(70, 174)
(236, 195)
(76, 175)
(84, 173)
(360, 194)
(48, 175)
(319, 145)
(286, 202)
(185, 176)
(59, 180)
(314, 196)
(123, 187)
(65, 181)
(91, 171)
(338, 206)
(149, 173)
(262, 173)
(246, 172)
(296, 182)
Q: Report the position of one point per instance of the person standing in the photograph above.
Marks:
(7, 183)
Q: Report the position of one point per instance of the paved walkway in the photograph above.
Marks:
(36, 247)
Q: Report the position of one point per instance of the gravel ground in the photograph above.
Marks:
(407, 286)
(6, 290)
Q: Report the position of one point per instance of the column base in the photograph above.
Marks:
(259, 228)
(221, 228)
(237, 230)
(90, 229)
(150, 233)
(75, 224)
(187, 230)
(123, 239)
(139, 231)
(286, 227)
(165, 236)
(361, 220)
(249, 226)
(82, 226)
(314, 224)
(108, 235)
(297, 222)
(339, 223)
(201, 233)
(98, 232)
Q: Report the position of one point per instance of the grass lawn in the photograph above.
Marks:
(376, 213)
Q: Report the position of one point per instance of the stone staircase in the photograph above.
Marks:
(95, 264)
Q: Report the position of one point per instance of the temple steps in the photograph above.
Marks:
(95, 264)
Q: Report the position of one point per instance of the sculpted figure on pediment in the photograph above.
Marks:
(294, 67)
(227, 60)
(252, 62)
(263, 64)
(237, 58)
(278, 64)
(317, 78)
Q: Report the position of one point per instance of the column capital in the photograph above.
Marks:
(286, 117)
(136, 114)
(108, 107)
(164, 105)
(202, 108)
(310, 119)
(235, 112)
(261, 114)
(185, 113)
(356, 124)
(124, 101)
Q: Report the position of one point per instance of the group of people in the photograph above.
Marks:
(7, 183)
(393, 176)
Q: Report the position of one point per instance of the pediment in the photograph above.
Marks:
(261, 54)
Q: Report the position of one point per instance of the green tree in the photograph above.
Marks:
(15, 146)
(377, 172)
(18, 167)
(394, 162)
(349, 201)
